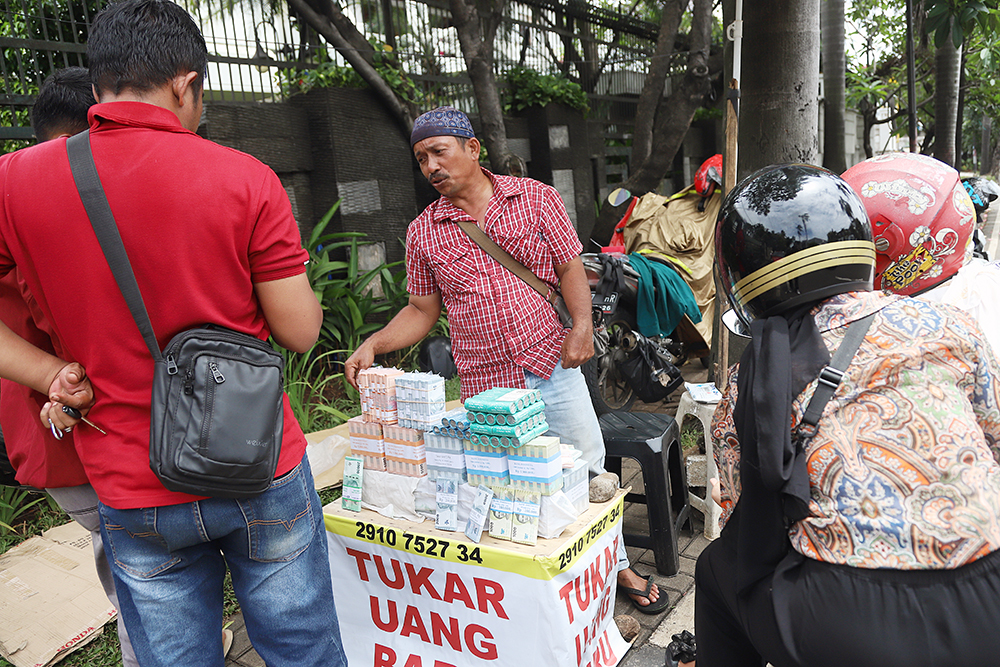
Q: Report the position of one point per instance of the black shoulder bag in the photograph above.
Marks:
(216, 415)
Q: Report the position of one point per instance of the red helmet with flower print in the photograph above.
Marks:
(709, 176)
(922, 219)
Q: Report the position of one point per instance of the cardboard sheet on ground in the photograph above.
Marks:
(408, 595)
(51, 601)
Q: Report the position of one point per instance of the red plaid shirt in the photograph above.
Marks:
(500, 326)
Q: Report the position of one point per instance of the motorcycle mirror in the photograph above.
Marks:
(619, 196)
(735, 325)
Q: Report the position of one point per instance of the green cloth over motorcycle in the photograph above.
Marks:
(663, 299)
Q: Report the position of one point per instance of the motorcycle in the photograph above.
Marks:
(626, 365)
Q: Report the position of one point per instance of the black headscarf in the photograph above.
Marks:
(786, 354)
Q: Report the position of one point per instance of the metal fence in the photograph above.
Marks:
(254, 43)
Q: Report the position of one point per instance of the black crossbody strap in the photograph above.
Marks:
(832, 374)
(88, 183)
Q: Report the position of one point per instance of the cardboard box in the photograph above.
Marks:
(51, 601)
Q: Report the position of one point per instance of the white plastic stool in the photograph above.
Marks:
(701, 467)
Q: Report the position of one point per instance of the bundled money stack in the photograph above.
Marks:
(404, 451)
(446, 497)
(445, 456)
(514, 514)
(501, 513)
(576, 485)
(507, 446)
(366, 442)
(506, 417)
(524, 518)
(486, 465)
(378, 394)
(420, 400)
(350, 497)
(537, 466)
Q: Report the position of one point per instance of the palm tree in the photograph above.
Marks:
(779, 92)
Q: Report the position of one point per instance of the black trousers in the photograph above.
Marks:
(832, 615)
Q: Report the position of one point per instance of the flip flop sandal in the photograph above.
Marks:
(654, 607)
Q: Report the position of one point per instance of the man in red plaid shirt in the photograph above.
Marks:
(503, 332)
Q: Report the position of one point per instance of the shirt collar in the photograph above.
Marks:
(505, 187)
(133, 114)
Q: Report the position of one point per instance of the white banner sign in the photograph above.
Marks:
(434, 599)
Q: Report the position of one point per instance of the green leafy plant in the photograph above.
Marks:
(328, 74)
(308, 377)
(14, 504)
(526, 88)
(344, 291)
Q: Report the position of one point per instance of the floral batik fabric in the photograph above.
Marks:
(903, 468)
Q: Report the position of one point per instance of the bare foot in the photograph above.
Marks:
(630, 579)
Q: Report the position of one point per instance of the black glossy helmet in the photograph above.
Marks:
(789, 235)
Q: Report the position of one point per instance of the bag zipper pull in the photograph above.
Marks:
(216, 373)
(171, 365)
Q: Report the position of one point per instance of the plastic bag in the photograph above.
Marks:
(650, 376)
(556, 513)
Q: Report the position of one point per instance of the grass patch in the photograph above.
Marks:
(452, 389)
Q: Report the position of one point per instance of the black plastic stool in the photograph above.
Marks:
(653, 440)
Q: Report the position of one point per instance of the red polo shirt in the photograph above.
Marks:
(38, 457)
(201, 223)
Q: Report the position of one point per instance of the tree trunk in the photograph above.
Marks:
(323, 26)
(995, 160)
(477, 49)
(672, 120)
(946, 60)
(960, 112)
(331, 10)
(652, 88)
(833, 85)
(985, 160)
(779, 117)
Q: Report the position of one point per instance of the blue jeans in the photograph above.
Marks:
(571, 416)
(80, 503)
(169, 564)
(570, 413)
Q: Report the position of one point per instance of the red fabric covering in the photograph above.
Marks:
(201, 224)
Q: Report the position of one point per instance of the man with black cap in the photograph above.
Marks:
(503, 332)
(857, 449)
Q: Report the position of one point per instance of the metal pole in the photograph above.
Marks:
(911, 79)
(390, 33)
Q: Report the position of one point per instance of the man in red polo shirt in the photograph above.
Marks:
(211, 238)
(40, 459)
(503, 332)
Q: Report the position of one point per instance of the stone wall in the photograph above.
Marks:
(340, 143)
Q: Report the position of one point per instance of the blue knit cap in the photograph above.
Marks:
(443, 121)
